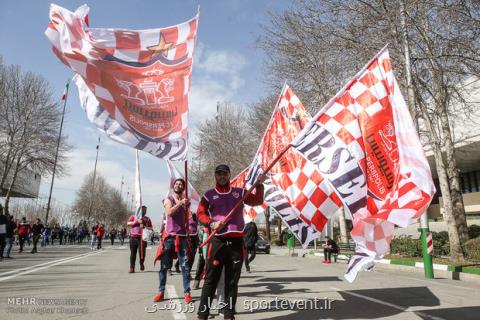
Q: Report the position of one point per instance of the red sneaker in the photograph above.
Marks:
(158, 297)
(325, 261)
(142, 267)
(131, 270)
(188, 298)
(329, 261)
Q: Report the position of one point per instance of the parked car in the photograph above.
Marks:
(262, 245)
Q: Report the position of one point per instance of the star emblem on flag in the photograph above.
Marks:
(162, 47)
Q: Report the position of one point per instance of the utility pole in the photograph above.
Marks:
(427, 243)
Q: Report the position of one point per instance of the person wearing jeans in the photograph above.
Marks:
(175, 239)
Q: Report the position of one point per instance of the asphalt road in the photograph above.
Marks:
(63, 282)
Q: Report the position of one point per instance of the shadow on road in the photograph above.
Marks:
(355, 307)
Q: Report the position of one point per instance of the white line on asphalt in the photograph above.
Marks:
(51, 264)
(172, 294)
(39, 265)
(388, 304)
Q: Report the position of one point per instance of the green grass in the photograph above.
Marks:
(469, 267)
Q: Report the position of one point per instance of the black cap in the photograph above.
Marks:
(222, 168)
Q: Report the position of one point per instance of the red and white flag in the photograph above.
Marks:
(133, 84)
(364, 143)
(193, 195)
(304, 192)
(250, 213)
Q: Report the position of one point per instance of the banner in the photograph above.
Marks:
(133, 84)
(193, 195)
(365, 145)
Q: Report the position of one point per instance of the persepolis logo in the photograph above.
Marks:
(148, 93)
(333, 159)
(235, 194)
(382, 159)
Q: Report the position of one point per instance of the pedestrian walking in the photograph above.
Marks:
(136, 226)
(37, 230)
(250, 238)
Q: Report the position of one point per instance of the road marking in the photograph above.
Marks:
(47, 265)
(172, 294)
(41, 264)
(388, 304)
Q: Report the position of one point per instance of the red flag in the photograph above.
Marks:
(132, 84)
(366, 146)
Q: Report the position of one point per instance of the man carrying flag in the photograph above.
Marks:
(175, 240)
(225, 250)
(136, 226)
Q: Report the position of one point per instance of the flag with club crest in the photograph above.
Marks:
(364, 143)
(193, 195)
(133, 84)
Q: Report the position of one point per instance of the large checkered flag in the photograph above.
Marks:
(133, 84)
(295, 188)
(365, 144)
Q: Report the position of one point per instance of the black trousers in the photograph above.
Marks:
(21, 239)
(99, 243)
(134, 247)
(228, 253)
(112, 239)
(200, 267)
(35, 242)
(2, 244)
(253, 253)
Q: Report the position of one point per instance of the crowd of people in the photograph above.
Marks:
(23, 233)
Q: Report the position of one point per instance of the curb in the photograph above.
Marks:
(448, 271)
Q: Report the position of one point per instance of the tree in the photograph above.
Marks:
(318, 45)
(224, 140)
(100, 202)
(29, 127)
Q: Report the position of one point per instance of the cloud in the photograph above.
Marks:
(216, 78)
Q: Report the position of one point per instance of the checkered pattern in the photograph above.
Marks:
(310, 197)
(275, 198)
(249, 213)
(372, 98)
(309, 193)
(193, 195)
(149, 69)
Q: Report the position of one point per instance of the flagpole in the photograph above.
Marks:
(249, 191)
(56, 154)
(93, 183)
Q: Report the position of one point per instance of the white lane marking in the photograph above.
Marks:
(41, 264)
(172, 294)
(388, 304)
(50, 265)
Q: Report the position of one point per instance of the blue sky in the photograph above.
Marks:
(227, 67)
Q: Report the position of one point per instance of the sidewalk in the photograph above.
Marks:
(462, 273)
